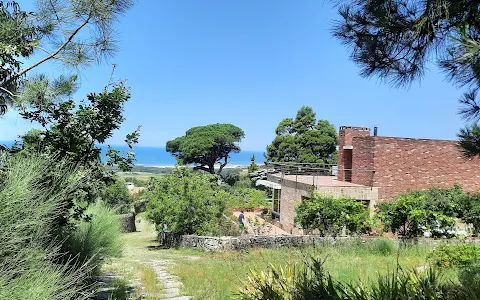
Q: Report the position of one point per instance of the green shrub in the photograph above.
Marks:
(189, 202)
(433, 210)
(329, 215)
(470, 207)
(460, 255)
(97, 238)
(29, 249)
(118, 197)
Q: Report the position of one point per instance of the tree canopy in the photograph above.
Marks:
(72, 32)
(396, 39)
(304, 140)
(207, 146)
(73, 133)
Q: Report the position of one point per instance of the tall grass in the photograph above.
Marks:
(100, 237)
(29, 253)
(311, 281)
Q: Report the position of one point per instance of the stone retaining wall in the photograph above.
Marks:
(210, 243)
(128, 222)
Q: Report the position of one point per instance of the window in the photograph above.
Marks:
(276, 200)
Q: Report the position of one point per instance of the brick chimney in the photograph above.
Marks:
(345, 148)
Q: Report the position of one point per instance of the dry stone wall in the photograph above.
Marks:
(213, 244)
(210, 243)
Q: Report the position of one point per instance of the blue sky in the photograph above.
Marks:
(252, 63)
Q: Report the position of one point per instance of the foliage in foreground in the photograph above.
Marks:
(329, 215)
(30, 253)
(73, 132)
(396, 40)
(311, 281)
(73, 33)
(96, 239)
(189, 202)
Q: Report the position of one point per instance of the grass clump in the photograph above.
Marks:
(96, 238)
(30, 255)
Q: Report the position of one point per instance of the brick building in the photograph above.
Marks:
(396, 165)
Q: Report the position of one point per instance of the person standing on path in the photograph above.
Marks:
(241, 220)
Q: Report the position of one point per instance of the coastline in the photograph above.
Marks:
(236, 166)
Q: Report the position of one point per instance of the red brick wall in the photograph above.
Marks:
(345, 138)
(403, 164)
(363, 160)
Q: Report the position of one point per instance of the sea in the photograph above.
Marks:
(158, 156)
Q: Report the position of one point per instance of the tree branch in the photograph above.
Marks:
(222, 165)
(8, 92)
(56, 51)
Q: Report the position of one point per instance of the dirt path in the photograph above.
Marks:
(141, 273)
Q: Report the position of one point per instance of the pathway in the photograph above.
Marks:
(143, 269)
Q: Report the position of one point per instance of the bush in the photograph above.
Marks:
(460, 255)
(118, 197)
(415, 213)
(329, 215)
(470, 207)
(29, 251)
(189, 202)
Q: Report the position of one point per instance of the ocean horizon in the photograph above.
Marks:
(159, 157)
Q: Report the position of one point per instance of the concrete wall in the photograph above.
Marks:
(291, 195)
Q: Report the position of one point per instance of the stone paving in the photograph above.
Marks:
(140, 254)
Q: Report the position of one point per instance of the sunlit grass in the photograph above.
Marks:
(218, 275)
